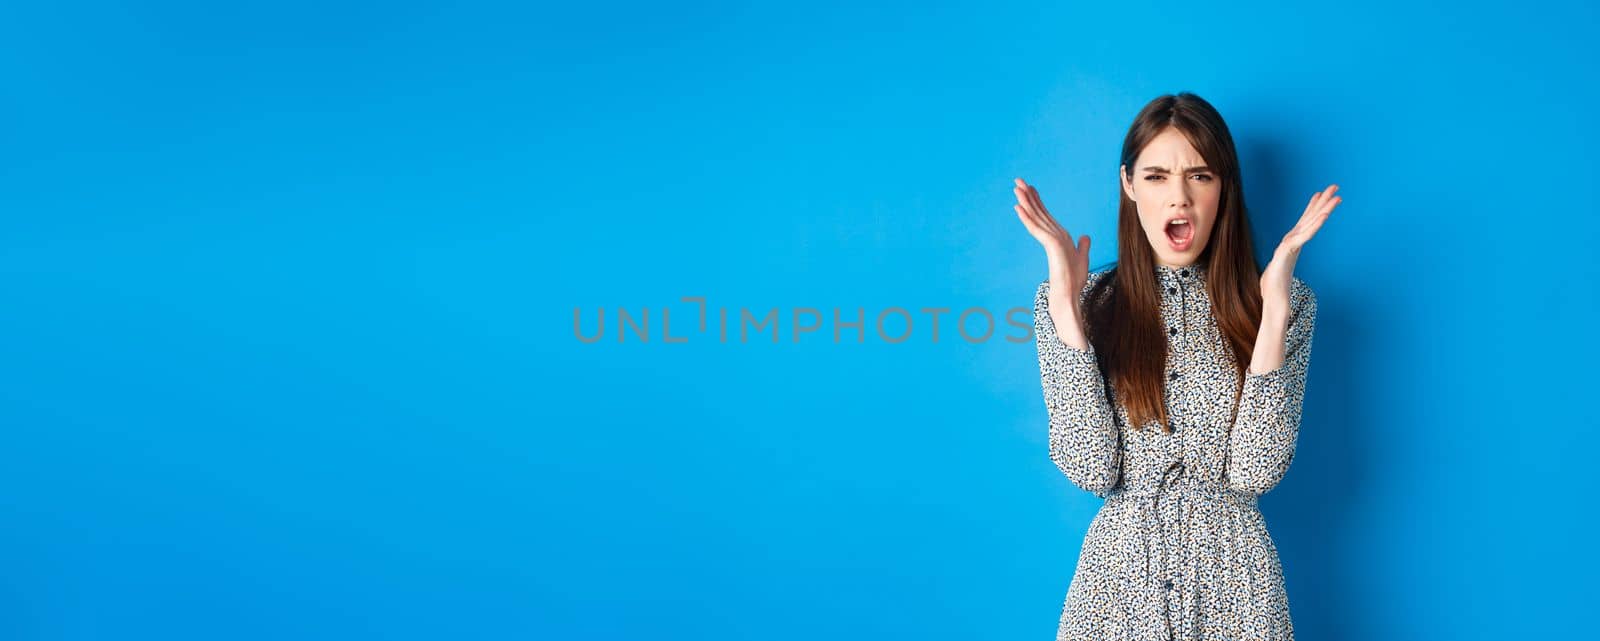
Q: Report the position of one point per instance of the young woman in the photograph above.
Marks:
(1173, 380)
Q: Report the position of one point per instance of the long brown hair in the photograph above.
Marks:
(1123, 315)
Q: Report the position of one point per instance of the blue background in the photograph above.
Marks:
(287, 294)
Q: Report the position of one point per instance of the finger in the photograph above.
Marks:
(1033, 197)
(1308, 214)
(1314, 213)
(1327, 195)
(1050, 221)
(1022, 196)
(1038, 233)
(1040, 217)
(1306, 235)
(1321, 213)
(1027, 219)
(1027, 205)
(1305, 222)
(1318, 204)
(1310, 229)
(1312, 206)
(1332, 202)
(1024, 192)
(1034, 223)
(1038, 204)
(1022, 199)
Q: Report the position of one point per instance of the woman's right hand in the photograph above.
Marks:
(1068, 262)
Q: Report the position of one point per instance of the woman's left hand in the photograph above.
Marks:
(1279, 273)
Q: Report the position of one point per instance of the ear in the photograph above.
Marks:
(1127, 185)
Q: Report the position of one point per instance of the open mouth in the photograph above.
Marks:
(1180, 231)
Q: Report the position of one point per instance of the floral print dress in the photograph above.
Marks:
(1179, 549)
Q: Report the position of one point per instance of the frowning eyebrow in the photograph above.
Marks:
(1192, 170)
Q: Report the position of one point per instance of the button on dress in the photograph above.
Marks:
(1179, 548)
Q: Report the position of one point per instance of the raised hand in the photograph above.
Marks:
(1068, 262)
(1275, 279)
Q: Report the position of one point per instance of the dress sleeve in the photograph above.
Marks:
(1083, 435)
(1262, 441)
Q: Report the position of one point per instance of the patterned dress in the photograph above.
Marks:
(1179, 549)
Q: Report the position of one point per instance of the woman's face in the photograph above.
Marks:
(1171, 184)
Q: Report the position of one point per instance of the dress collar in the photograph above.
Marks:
(1191, 273)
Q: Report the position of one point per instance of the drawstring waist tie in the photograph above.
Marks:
(1163, 536)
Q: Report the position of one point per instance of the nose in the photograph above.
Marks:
(1180, 194)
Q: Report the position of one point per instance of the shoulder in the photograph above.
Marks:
(1097, 275)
